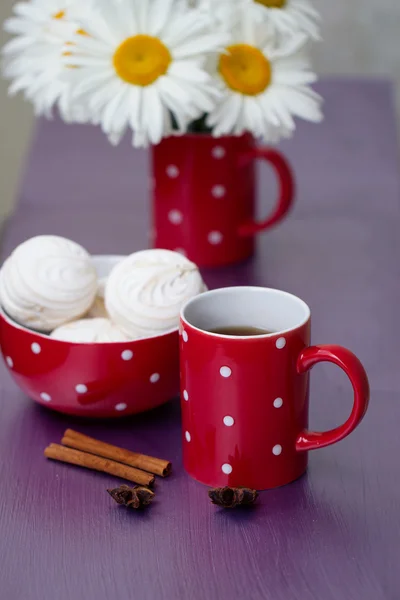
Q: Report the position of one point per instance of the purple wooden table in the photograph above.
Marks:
(334, 534)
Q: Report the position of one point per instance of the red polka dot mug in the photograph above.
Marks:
(245, 399)
(204, 196)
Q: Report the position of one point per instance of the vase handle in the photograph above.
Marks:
(286, 189)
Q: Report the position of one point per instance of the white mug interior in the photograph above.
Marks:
(263, 308)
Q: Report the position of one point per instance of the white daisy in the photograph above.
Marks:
(33, 58)
(286, 16)
(143, 61)
(265, 84)
(220, 12)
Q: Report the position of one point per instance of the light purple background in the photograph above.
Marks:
(334, 534)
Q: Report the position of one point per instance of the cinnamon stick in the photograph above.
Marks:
(76, 440)
(97, 463)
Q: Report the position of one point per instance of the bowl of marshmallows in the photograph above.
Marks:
(94, 336)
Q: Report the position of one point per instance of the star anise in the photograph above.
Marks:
(232, 497)
(136, 498)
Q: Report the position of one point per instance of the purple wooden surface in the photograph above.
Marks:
(334, 534)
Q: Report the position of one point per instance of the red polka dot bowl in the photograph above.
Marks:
(92, 380)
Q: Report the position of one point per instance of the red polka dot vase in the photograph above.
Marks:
(204, 196)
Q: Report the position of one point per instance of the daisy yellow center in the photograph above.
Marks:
(272, 3)
(245, 69)
(141, 60)
(60, 15)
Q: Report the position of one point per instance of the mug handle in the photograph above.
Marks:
(286, 189)
(346, 360)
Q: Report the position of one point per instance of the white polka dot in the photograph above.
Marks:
(172, 171)
(280, 343)
(225, 372)
(36, 349)
(277, 450)
(278, 403)
(121, 407)
(227, 469)
(188, 436)
(81, 388)
(218, 152)
(185, 395)
(175, 217)
(127, 355)
(229, 421)
(155, 377)
(218, 191)
(181, 251)
(10, 362)
(45, 397)
(215, 237)
(185, 336)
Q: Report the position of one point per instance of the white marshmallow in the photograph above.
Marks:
(146, 291)
(89, 331)
(46, 282)
(98, 309)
